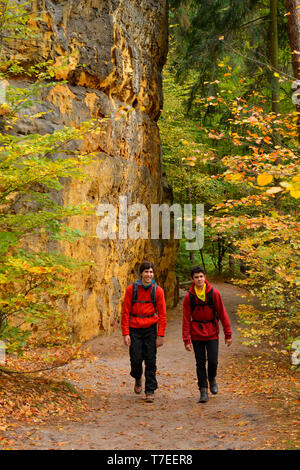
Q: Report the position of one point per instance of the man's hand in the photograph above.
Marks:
(127, 341)
(188, 347)
(159, 341)
(228, 341)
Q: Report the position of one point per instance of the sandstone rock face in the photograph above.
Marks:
(111, 53)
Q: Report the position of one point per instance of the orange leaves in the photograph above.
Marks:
(191, 160)
(242, 423)
(213, 135)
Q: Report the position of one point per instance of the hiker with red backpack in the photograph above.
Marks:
(202, 309)
(143, 324)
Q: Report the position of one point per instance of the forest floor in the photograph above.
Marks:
(256, 407)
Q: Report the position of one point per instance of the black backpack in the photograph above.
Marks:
(152, 300)
(209, 302)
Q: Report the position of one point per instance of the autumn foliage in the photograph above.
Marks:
(242, 161)
(263, 225)
(33, 223)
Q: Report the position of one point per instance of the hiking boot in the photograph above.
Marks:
(149, 397)
(213, 387)
(203, 395)
(138, 386)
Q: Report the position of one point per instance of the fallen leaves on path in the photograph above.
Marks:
(37, 397)
(268, 382)
(251, 379)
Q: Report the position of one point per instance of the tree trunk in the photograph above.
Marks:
(202, 258)
(293, 9)
(274, 56)
(188, 191)
(231, 263)
(221, 252)
(243, 267)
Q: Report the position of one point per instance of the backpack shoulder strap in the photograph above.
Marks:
(209, 298)
(210, 302)
(153, 294)
(134, 292)
(192, 302)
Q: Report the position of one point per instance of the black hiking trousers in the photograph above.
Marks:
(206, 350)
(143, 348)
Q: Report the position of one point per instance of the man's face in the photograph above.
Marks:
(199, 279)
(147, 276)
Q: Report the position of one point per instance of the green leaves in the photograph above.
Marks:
(33, 220)
(7, 240)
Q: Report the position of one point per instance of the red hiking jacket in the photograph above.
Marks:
(204, 331)
(144, 309)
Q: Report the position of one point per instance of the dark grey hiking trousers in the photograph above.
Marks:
(206, 352)
(143, 348)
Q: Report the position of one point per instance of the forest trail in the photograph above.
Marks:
(120, 420)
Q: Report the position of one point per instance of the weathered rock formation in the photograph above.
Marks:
(111, 53)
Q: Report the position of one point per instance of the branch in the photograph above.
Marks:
(256, 19)
(47, 154)
(264, 64)
(26, 14)
(16, 372)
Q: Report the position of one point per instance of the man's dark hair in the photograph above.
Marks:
(146, 265)
(197, 269)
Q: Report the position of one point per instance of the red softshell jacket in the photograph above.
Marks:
(144, 309)
(204, 331)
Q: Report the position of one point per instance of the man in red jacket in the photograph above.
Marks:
(202, 308)
(143, 324)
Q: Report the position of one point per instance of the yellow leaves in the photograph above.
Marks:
(296, 179)
(5, 109)
(264, 178)
(3, 279)
(41, 269)
(38, 115)
(233, 177)
(293, 187)
(295, 193)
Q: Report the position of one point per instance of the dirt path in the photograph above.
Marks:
(122, 420)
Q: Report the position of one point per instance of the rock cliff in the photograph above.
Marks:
(111, 54)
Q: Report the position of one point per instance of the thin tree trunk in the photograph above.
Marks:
(192, 255)
(274, 55)
(231, 263)
(293, 10)
(220, 253)
(202, 258)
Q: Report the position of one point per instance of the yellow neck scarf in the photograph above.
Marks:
(200, 292)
